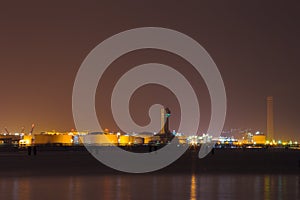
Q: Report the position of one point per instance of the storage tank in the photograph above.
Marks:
(99, 139)
(27, 140)
(259, 139)
(138, 140)
(53, 139)
(147, 137)
(126, 140)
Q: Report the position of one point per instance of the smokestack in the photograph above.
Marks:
(162, 120)
(270, 120)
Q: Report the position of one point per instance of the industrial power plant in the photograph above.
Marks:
(107, 138)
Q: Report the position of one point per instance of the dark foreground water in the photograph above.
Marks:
(186, 186)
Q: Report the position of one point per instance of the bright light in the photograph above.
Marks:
(24, 142)
(279, 141)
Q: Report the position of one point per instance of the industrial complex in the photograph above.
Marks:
(108, 138)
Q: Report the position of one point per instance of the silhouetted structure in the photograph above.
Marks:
(270, 120)
(165, 133)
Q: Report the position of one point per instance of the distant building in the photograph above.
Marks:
(270, 120)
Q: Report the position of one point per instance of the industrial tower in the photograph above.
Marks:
(270, 119)
(165, 133)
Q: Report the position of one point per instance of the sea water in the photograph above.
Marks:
(151, 186)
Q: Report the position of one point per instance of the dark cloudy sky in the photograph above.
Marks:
(255, 44)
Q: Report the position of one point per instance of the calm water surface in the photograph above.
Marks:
(187, 186)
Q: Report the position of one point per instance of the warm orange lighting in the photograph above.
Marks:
(24, 142)
(193, 192)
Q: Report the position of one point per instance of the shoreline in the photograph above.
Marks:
(74, 161)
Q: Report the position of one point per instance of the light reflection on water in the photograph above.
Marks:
(193, 195)
(171, 186)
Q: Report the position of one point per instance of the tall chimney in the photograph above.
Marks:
(270, 120)
(162, 120)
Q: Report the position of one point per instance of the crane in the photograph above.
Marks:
(22, 129)
(31, 131)
(6, 130)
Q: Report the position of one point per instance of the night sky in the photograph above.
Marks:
(255, 45)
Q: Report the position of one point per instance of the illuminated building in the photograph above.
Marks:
(259, 139)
